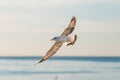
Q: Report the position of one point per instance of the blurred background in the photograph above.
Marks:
(27, 26)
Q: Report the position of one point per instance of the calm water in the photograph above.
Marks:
(64, 68)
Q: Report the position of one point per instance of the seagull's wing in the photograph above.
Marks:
(70, 27)
(51, 51)
(72, 41)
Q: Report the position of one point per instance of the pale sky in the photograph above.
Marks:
(27, 26)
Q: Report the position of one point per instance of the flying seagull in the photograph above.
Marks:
(62, 39)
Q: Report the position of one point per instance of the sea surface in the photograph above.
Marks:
(60, 68)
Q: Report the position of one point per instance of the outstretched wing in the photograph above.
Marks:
(70, 27)
(51, 51)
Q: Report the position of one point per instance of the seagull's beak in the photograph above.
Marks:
(52, 39)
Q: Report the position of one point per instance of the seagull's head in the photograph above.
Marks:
(55, 38)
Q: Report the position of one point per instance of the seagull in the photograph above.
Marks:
(59, 40)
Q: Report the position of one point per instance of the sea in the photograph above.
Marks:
(60, 68)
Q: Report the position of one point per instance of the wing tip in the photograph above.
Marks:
(73, 18)
(41, 61)
(73, 21)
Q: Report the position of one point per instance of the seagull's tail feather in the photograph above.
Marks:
(72, 42)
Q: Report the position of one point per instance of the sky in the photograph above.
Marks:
(27, 26)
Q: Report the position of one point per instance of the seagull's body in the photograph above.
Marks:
(62, 39)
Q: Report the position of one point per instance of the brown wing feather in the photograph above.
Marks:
(70, 27)
(52, 51)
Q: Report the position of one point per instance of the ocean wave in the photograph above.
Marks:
(12, 72)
